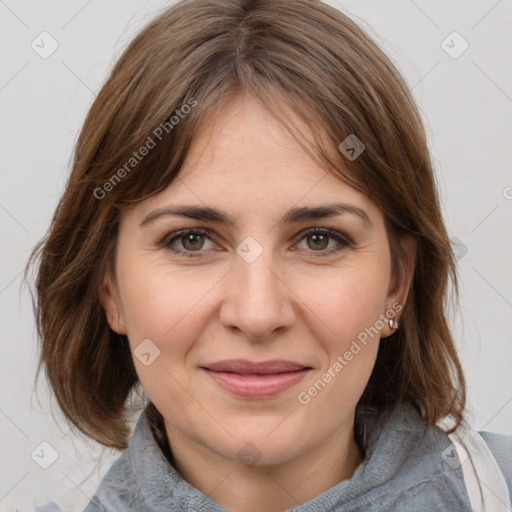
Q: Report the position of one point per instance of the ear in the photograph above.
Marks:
(110, 302)
(401, 280)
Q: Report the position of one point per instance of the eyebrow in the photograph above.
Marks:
(292, 216)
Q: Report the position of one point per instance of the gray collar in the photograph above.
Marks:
(401, 453)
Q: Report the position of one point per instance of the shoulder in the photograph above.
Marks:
(116, 491)
(142, 479)
(119, 488)
(500, 446)
(49, 507)
(405, 466)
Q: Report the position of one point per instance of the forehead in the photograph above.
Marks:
(245, 162)
(244, 132)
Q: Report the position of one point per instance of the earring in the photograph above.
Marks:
(393, 324)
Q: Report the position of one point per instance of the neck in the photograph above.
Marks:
(266, 488)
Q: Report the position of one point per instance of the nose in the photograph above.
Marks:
(257, 300)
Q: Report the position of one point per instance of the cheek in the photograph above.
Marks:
(170, 309)
(349, 335)
(345, 302)
(163, 304)
(345, 317)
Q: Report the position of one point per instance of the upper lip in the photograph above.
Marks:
(249, 367)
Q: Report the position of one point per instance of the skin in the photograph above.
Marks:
(295, 301)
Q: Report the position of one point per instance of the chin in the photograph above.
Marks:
(257, 447)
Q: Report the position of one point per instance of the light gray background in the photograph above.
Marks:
(467, 106)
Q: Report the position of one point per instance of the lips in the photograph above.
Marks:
(255, 379)
(247, 367)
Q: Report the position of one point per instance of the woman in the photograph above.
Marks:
(251, 235)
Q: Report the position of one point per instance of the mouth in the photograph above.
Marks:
(255, 379)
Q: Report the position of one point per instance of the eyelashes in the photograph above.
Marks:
(319, 235)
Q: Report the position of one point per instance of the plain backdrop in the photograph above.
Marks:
(466, 101)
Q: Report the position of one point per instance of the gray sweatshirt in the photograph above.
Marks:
(403, 470)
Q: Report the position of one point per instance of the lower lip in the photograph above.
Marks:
(256, 386)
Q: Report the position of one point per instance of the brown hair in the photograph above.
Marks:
(303, 55)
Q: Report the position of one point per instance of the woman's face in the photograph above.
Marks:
(205, 312)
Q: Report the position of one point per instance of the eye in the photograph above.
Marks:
(318, 239)
(190, 242)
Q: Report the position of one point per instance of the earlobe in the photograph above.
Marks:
(111, 306)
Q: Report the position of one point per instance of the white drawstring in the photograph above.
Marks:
(485, 484)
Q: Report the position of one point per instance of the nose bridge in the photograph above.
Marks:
(257, 302)
(258, 278)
